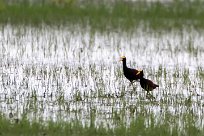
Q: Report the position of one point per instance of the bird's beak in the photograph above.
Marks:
(121, 58)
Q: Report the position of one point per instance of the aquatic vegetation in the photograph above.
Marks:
(105, 16)
(70, 80)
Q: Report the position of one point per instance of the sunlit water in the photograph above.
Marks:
(63, 73)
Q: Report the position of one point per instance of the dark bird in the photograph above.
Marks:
(147, 84)
(130, 74)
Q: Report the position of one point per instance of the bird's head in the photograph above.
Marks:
(122, 58)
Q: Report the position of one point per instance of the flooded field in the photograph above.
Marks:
(66, 74)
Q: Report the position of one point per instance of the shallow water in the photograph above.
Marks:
(64, 73)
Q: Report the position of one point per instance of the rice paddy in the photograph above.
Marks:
(66, 78)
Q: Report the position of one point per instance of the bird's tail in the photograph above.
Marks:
(155, 86)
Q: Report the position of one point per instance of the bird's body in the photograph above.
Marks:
(147, 84)
(130, 74)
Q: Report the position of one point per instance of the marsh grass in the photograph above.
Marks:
(106, 16)
(48, 86)
(143, 124)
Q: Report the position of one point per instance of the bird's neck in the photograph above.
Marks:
(124, 65)
(142, 78)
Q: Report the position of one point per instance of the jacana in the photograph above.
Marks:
(130, 74)
(147, 84)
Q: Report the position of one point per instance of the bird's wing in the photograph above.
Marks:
(150, 82)
(134, 71)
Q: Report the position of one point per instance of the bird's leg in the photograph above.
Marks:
(138, 80)
(134, 89)
(131, 83)
(149, 96)
(131, 93)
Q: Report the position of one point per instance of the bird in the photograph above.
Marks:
(131, 74)
(147, 84)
